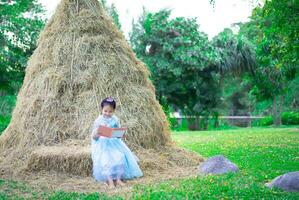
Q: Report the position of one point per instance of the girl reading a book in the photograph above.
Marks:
(112, 160)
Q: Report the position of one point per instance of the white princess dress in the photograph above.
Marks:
(110, 156)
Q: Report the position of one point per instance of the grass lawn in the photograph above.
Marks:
(260, 153)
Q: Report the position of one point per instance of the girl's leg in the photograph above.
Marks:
(110, 182)
(119, 182)
(120, 173)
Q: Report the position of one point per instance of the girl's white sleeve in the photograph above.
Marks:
(95, 126)
(94, 129)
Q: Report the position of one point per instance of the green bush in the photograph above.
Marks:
(179, 125)
(290, 118)
(7, 104)
(287, 118)
(267, 121)
(4, 121)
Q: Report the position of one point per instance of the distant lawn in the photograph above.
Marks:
(260, 153)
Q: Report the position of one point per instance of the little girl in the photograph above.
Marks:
(112, 159)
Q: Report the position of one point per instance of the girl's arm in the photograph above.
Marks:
(95, 127)
(94, 133)
(95, 130)
(118, 125)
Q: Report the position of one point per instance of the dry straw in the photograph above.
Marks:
(82, 58)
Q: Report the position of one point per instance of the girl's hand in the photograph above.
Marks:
(98, 131)
(95, 137)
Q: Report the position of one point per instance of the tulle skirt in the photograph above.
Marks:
(112, 158)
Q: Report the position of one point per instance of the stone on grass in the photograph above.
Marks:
(288, 182)
(217, 165)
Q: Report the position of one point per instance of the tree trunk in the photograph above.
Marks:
(207, 124)
(216, 118)
(249, 122)
(191, 124)
(276, 112)
(204, 125)
(280, 109)
(197, 120)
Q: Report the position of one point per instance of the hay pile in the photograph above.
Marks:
(82, 58)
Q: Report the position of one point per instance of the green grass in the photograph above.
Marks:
(10, 189)
(260, 153)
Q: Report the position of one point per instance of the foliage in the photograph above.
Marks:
(179, 124)
(112, 11)
(7, 103)
(236, 99)
(267, 121)
(168, 112)
(291, 99)
(236, 63)
(281, 29)
(20, 24)
(290, 118)
(181, 60)
(262, 108)
(265, 74)
(273, 29)
(4, 121)
(236, 53)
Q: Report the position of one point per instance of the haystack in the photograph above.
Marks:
(82, 58)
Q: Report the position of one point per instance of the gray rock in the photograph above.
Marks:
(217, 165)
(288, 182)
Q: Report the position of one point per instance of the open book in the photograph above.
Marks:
(112, 132)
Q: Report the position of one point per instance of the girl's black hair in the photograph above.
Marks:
(108, 101)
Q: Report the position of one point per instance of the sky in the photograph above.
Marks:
(211, 20)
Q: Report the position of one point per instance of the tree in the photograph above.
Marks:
(236, 53)
(181, 60)
(273, 28)
(20, 24)
(237, 61)
(281, 29)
